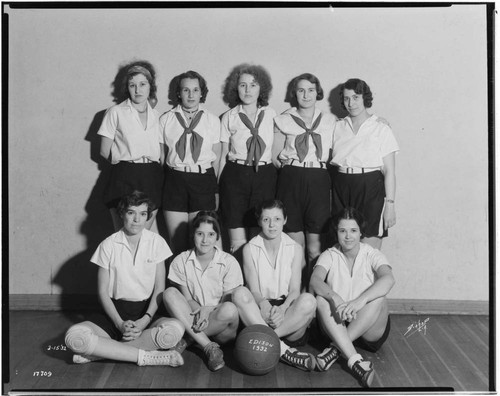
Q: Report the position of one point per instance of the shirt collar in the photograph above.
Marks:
(239, 109)
(294, 111)
(216, 260)
(258, 241)
(178, 108)
(121, 238)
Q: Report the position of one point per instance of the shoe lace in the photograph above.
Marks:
(359, 370)
(297, 359)
(331, 355)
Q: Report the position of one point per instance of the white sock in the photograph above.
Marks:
(353, 359)
(283, 348)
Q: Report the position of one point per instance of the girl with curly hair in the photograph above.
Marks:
(247, 174)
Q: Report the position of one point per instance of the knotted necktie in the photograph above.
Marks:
(302, 140)
(196, 139)
(255, 144)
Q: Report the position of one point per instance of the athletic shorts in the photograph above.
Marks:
(374, 346)
(305, 192)
(366, 193)
(128, 310)
(128, 176)
(242, 189)
(189, 192)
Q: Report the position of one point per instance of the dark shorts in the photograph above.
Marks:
(366, 193)
(127, 176)
(189, 192)
(305, 192)
(242, 189)
(128, 310)
(374, 346)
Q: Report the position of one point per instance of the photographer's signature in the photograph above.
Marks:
(419, 326)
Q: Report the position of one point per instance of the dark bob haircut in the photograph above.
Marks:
(230, 89)
(174, 89)
(209, 217)
(360, 87)
(291, 94)
(270, 204)
(130, 70)
(348, 213)
(135, 198)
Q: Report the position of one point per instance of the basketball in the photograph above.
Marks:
(257, 349)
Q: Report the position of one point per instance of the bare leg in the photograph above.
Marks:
(151, 224)
(300, 238)
(334, 328)
(146, 340)
(374, 242)
(223, 323)
(297, 317)
(178, 230)
(178, 307)
(370, 321)
(237, 238)
(248, 309)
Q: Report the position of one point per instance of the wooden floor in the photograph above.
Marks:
(422, 353)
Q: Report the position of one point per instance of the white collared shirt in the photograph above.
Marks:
(338, 277)
(131, 278)
(171, 130)
(367, 148)
(207, 286)
(287, 125)
(234, 132)
(274, 282)
(131, 141)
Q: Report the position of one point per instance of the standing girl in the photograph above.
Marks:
(205, 278)
(364, 156)
(130, 141)
(303, 140)
(190, 136)
(247, 174)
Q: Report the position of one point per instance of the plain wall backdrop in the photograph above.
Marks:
(427, 68)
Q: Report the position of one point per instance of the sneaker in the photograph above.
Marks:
(215, 356)
(160, 358)
(82, 359)
(325, 359)
(364, 372)
(301, 360)
(169, 334)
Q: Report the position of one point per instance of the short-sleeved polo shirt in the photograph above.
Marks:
(206, 287)
(365, 149)
(171, 130)
(348, 286)
(274, 282)
(131, 141)
(234, 132)
(131, 279)
(287, 125)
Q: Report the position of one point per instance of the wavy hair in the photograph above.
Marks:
(209, 217)
(291, 92)
(129, 70)
(360, 87)
(174, 88)
(135, 198)
(230, 90)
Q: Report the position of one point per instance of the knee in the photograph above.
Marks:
(242, 296)
(81, 339)
(171, 295)
(227, 312)
(322, 305)
(307, 304)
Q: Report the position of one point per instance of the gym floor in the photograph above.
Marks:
(422, 353)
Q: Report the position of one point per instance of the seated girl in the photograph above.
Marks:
(350, 281)
(131, 278)
(272, 267)
(205, 277)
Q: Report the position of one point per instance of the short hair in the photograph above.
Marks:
(291, 95)
(360, 87)
(209, 217)
(131, 70)
(135, 198)
(270, 204)
(230, 89)
(175, 87)
(348, 213)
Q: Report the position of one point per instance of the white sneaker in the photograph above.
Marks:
(160, 358)
(82, 359)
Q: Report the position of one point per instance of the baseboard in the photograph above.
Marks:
(46, 302)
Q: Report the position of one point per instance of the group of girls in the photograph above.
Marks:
(240, 156)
